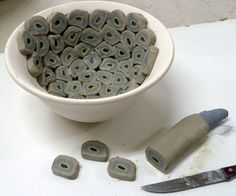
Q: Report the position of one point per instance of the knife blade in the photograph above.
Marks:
(194, 181)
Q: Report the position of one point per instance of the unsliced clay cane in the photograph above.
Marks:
(26, 42)
(110, 35)
(117, 19)
(72, 35)
(37, 25)
(57, 88)
(56, 43)
(91, 37)
(57, 22)
(67, 56)
(35, 64)
(98, 18)
(46, 77)
(65, 166)
(122, 169)
(95, 150)
(51, 60)
(78, 18)
(136, 22)
(146, 38)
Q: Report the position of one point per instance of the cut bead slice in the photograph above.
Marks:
(139, 55)
(78, 18)
(37, 25)
(109, 64)
(76, 67)
(104, 50)
(56, 43)
(121, 52)
(62, 73)
(136, 22)
(128, 38)
(57, 22)
(145, 38)
(65, 166)
(152, 54)
(57, 88)
(108, 90)
(46, 77)
(110, 35)
(95, 151)
(67, 56)
(73, 88)
(98, 18)
(137, 74)
(42, 44)
(122, 169)
(72, 35)
(91, 37)
(87, 76)
(35, 64)
(51, 60)
(117, 19)
(125, 66)
(92, 60)
(105, 77)
(119, 80)
(91, 88)
(83, 49)
(26, 42)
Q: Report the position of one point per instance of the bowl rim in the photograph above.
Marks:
(71, 101)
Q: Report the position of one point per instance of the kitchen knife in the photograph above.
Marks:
(194, 181)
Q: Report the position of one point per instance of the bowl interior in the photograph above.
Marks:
(16, 62)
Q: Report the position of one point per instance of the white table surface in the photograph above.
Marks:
(203, 76)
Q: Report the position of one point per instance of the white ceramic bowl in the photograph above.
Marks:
(92, 110)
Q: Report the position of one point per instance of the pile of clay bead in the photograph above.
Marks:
(88, 55)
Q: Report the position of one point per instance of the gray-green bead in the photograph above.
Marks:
(137, 74)
(76, 67)
(109, 64)
(152, 54)
(73, 88)
(51, 60)
(104, 50)
(46, 77)
(108, 90)
(91, 37)
(121, 52)
(57, 22)
(122, 169)
(57, 88)
(119, 79)
(87, 76)
(95, 150)
(72, 35)
(128, 38)
(42, 44)
(139, 55)
(37, 25)
(98, 18)
(35, 64)
(62, 73)
(146, 38)
(67, 56)
(110, 35)
(26, 42)
(83, 49)
(91, 88)
(117, 19)
(136, 22)
(92, 60)
(105, 77)
(78, 18)
(56, 43)
(125, 66)
(65, 166)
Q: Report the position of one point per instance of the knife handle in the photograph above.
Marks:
(230, 172)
